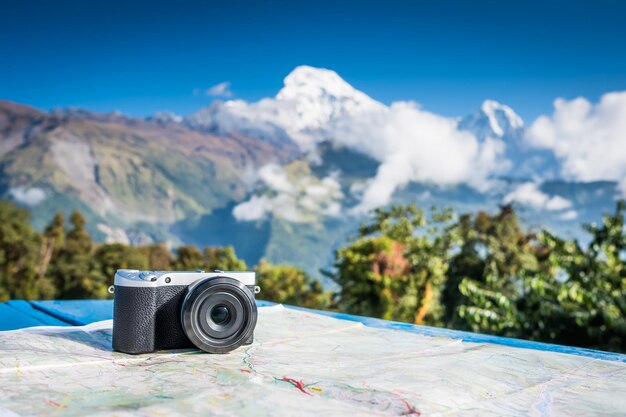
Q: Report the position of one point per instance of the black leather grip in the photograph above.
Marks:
(134, 316)
(169, 332)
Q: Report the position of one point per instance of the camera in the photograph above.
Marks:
(162, 310)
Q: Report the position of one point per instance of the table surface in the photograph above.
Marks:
(17, 314)
(302, 362)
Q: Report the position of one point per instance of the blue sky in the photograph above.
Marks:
(139, 57)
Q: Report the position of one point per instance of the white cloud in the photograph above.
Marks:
(529, 195)
(218, 90)
(114, 234)
(299, 198)
(276, 178)
(28, 196)
(569, 215)
(415, 145)
(558, 203)
(589, 139)
(256, 208)
(411, 144)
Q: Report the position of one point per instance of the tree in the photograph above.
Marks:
(366, 271)
(52, 241)
(396, 266)
(290, 285)
(492, 276)
(584, 302)
(158, 255)
(74, 271)
(19, 249)
(110, 257)
(548, 288)
(485, 276)
(188, 258)
(223, 258)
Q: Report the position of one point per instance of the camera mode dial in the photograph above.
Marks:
(147, 276)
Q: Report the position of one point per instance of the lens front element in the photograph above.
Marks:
(218, 314)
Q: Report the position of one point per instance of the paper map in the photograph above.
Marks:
(301, 364)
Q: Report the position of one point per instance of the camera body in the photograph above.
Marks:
(161, 310)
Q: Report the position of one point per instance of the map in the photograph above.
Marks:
(301, 364)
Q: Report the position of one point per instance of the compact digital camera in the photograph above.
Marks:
(156, 310)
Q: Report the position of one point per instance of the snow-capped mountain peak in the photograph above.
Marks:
(320, 96)
(311, 101)
(165, 117)
(305, 81)
(501, 117)
(494, 120)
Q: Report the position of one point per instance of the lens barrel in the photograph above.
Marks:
(218, 314)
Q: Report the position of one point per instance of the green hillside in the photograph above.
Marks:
(123, 171)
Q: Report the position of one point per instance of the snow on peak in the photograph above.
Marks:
(494, 120)
(320, 96)
(165, 117)
(501, 117)
(310, 81)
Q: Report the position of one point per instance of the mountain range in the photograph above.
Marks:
(287, 178)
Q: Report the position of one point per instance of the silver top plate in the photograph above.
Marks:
(137, 278)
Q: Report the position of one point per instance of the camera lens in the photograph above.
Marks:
(220, 314)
